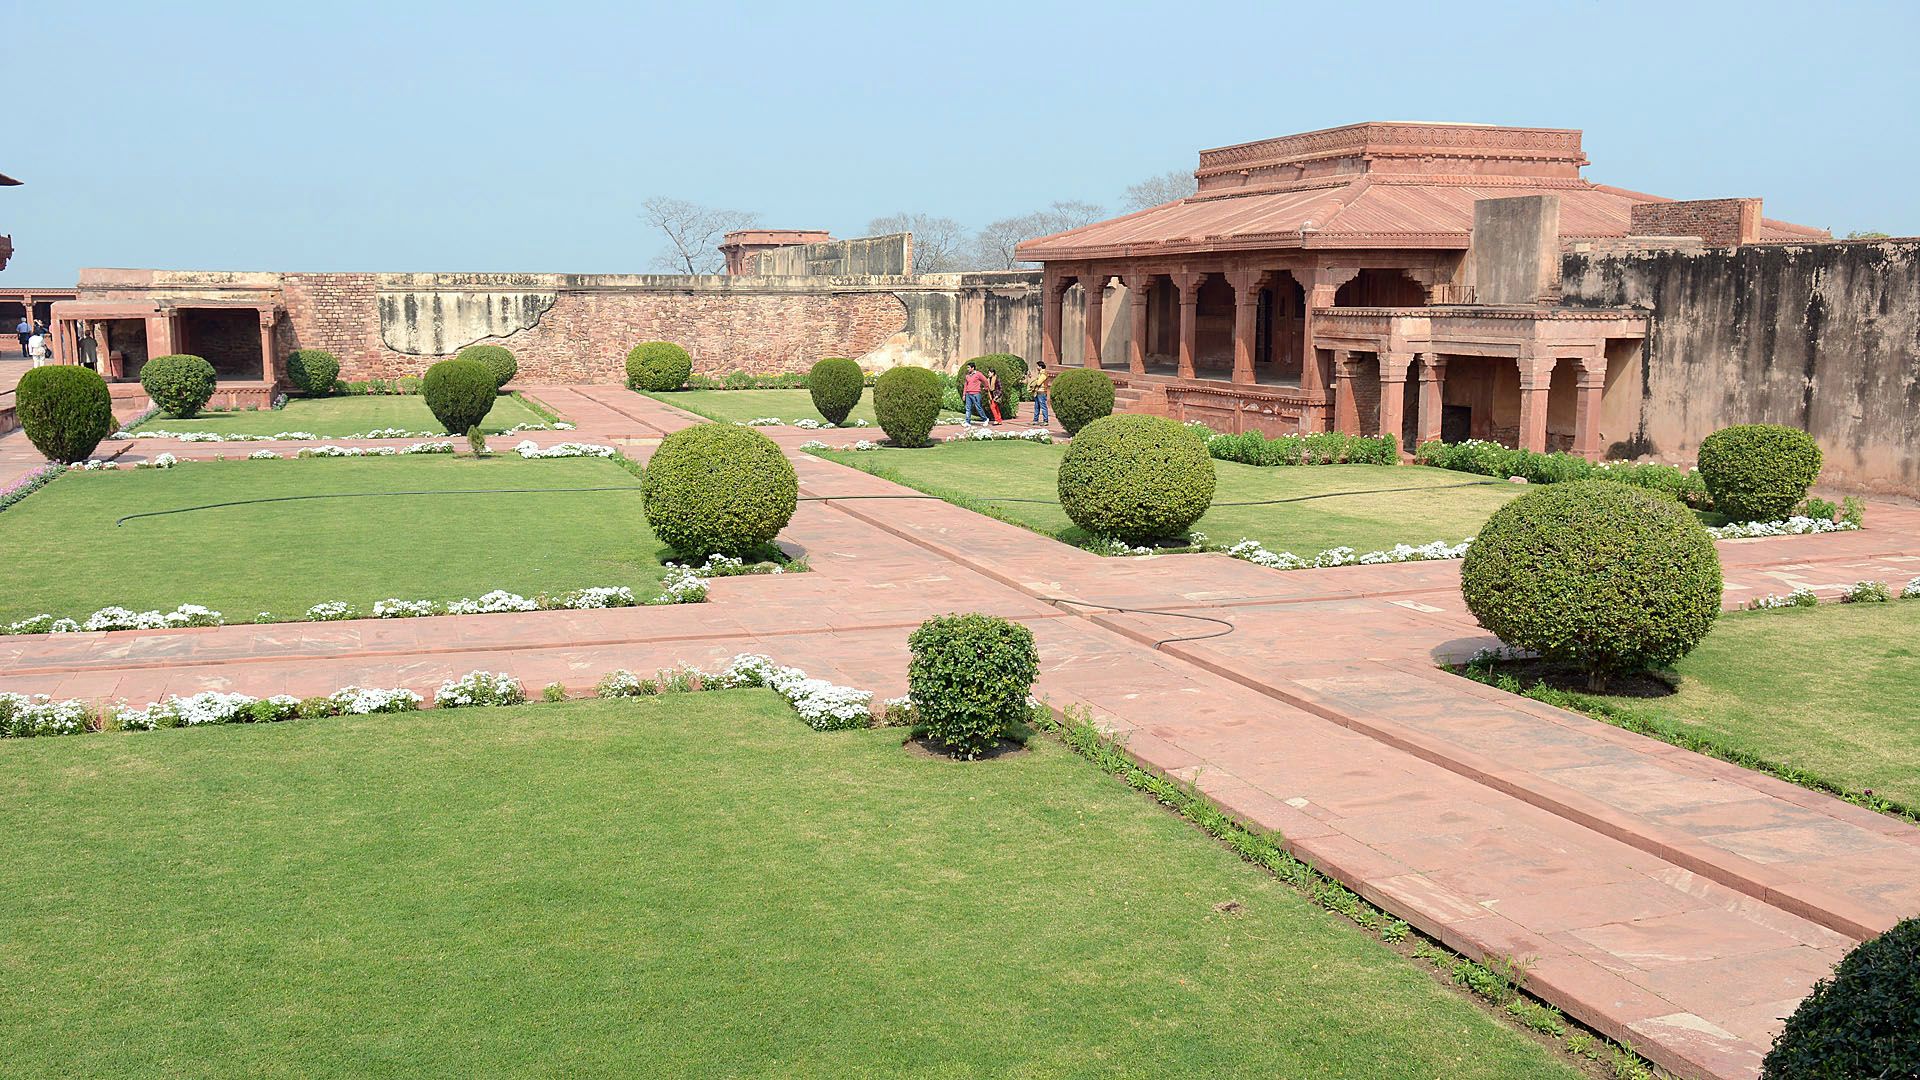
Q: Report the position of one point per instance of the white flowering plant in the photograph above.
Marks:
(1912, 590)
(530, 450)
(822, 705)
(1798, 525)
(368, 700)
(26, 716)
(1800, 597)
(1867, 592)
(332, 611)
(479, 688)
(622, 683)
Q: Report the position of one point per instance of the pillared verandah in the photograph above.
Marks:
(1375, 278)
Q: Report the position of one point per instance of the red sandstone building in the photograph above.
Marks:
(1379, 277)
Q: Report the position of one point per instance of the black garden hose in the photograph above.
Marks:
(635, 488)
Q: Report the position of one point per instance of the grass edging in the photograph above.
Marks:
(538, 408)
(1499, 982)
(1625, 720)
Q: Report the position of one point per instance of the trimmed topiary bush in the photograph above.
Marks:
(718, 488)
(460, 393)
(969, 680)
(179, 385)
(906, 402)
(1136, 478)
(313, 371)
(658, 366)
(1013, 377)
(1079, 396)
(65, 409)
(498, 359)
(1758, 472)
(835, 385)
(1861, 1022)
(1600, 575)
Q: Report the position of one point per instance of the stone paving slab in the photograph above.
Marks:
(1664, 898)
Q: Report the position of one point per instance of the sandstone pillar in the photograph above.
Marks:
(1095, 286)
(1536, 378)
(1139, 286)
(103, 360)
(1189, 286)
(1393, 393)
(1053, 293)
(1346, 411)
(1433, 377)
(1586, 424)
(1246, 310)
(269, 371)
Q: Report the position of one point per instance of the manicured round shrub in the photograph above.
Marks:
(718, 488)
(180, 385)
(1604, 576)
(1013, 377)
(1758, 472)
(658, 366)
(1862, 1021)
(1079, 396)
(1136, 478)
(313, 371)
(65, 409)
(969, 679)
(498, 359)
(906, 402)
(460, 393)
(835, 385)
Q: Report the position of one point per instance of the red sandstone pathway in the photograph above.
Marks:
(1663, 898)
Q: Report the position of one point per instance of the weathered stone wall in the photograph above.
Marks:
(1823, 336)
(1516, 248)
(867, 255)
(1719, 222)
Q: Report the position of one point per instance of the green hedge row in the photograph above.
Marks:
(1321, 448)
(1492, 459)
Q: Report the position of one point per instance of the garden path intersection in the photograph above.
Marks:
(1666, 899)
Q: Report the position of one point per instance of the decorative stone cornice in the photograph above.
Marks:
(1399, 140)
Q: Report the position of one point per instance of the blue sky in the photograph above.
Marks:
(484, 136)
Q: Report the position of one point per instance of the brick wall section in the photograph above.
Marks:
(585, 335)
(1720, 222)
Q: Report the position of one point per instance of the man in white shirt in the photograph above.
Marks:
(37, 348)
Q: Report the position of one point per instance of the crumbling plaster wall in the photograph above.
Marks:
(1821, 336)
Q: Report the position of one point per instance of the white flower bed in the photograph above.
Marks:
(332, 451)
(368, 700)
(1794, 526)
(119, 618)
(1800, 597)
(263, 455)
(813, 444)
(42, 624)
(308, 436)
(403, 609)
(805, 423)
(332, 611)
(1912, 591)
(593, 597)
(1867, 592)
(1257, 553)
(681, 585)
(25, 716)
(821, 704)
(208, 707)
(981, 434)
(623, 683)
(496, 601)
(530, 449)
(94, 465)
(160, 461)
(479, 688)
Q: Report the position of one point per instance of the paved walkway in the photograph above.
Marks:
(1663, 898)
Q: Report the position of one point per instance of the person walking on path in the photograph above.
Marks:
(37, 348)
(971, 388)
(24, 331)
(1038, 382)
(993, 396)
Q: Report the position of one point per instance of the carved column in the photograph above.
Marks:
(1393, 394)
(1586, 424)
(1189, 286)
(1139, 286)
(1433, 377)
(1536, 379)
(103, 362)
(1346, 411)
(269, 368)
(1246, 310)
(1054, 289)
(1095, 286)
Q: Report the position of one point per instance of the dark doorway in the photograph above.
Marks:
(1456, 423)
(228, 338)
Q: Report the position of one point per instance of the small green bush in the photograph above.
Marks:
(460, 393)
(1319, 448)
(969, 680)
(179, 385)
(1758, 472)
(1013, 377)
(1079, 396)
(1136, 478)
(1492, 459)
(65, 409)
(658, 366)
(1597, 574)
(718, 488)
(835, 384)
(1861, 1022)
(906, 402)
(498, 359)
(313, 371)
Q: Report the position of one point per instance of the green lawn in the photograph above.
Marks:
(333, 418)
(1829, 689)
(61, 554)
(1368, 522)
(739, 406)
(684, 886)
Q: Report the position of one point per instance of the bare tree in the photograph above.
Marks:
(937, 241)
(693, 233)
(1154, 190)
(993, 246)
